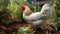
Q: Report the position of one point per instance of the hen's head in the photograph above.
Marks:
(22, 6)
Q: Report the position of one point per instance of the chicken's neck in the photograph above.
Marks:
(27, 11)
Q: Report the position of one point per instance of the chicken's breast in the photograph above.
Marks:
(34, 16)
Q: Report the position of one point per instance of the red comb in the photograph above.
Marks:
(22, 5)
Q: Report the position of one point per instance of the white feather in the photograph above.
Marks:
(36, 18)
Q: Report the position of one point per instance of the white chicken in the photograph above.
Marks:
(36, 18)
